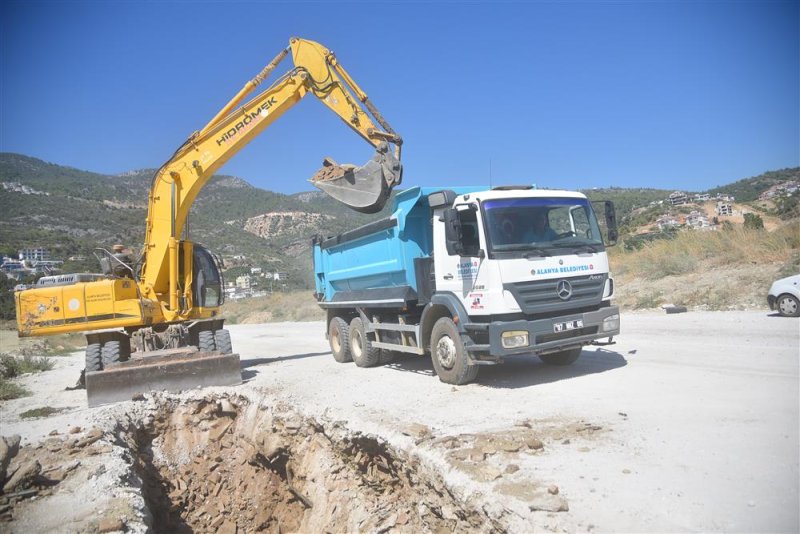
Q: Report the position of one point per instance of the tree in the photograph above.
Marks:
(7, 306)
(753, 221)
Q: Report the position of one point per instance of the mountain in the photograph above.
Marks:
(749, 189)
(71, 212)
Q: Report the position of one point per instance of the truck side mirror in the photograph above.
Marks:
(611, 223)
(452, 232)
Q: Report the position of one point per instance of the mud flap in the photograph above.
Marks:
(364, 188)
(174, 371)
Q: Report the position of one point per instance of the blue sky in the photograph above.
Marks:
(679, 95)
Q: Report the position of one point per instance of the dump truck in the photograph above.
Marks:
(469, 276)
(153, 322)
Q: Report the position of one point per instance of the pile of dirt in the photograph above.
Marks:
(227, 465)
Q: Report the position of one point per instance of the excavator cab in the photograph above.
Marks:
(207, 284)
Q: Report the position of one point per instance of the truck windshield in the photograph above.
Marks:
(525, 224)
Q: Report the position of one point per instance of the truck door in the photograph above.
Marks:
(457, 273)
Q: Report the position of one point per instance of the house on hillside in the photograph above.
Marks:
(702, 197)
(724, 208)
(667, 221)
(697, 220)
(678, 198)
(34, 254)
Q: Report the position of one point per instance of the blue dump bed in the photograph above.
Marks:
(379, 263)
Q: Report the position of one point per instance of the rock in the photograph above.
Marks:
(93, 435)
(509, 446)
(534, 444)
(552, 490)
(489, 473)
(9, 447)
(111, 524)
(402, 518)
(53, 433)
(512, 468)
(565, 442)
(219, 429)
(226, 407)
(626, 471)
(417, 431)
(549, 503)
(74, 430)
(23, 477)
(137, 397)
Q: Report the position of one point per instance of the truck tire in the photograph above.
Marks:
(339, 339)
(115, 351)
(361, 349)
(387, 356)
(94, 357)
(565, 357)
(788, 305)
(205, 341)
(222, 340)
(449, 355)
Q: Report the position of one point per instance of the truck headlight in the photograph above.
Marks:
(514, 339)
(611, 323)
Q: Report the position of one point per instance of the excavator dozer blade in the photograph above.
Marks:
(364, 188)
(166, 370)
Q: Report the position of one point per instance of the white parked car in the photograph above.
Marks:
(784, 296)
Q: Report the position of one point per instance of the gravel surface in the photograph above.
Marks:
(688, 423)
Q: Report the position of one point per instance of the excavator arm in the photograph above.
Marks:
(177, 183)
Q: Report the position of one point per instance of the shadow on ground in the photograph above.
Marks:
(524, 371)
(248, 373)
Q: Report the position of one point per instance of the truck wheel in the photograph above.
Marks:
(339, 339)
(94, 357)
(449, 355)
(205, 341)
(222, 340)
(566, 357)
(361, 349)
(115, 351)
(387, 356)
(788, 306)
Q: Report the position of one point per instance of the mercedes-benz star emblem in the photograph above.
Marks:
(564, 290)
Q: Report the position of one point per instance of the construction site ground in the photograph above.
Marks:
(688, 423)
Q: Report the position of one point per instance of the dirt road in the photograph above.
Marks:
(689, 423)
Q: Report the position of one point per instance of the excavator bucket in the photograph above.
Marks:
(165, 370)
(365, 188)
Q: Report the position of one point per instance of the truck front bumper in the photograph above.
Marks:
(546, 335)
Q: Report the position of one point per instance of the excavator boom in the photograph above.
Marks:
(153, 322)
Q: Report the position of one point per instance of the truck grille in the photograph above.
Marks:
(541, 296)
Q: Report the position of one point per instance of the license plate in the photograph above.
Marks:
(569, 325)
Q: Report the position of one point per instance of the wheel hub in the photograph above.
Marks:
(788, 306)
(446, 352)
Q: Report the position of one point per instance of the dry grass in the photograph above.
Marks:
(278, 307)
(699, 251)
(722, 270)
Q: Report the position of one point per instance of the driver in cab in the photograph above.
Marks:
(540, 229)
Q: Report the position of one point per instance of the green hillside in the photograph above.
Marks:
(71, 212)
(748, 189)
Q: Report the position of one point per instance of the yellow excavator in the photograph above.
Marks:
(154, 322)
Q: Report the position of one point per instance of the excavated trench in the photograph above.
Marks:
(229, 464)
